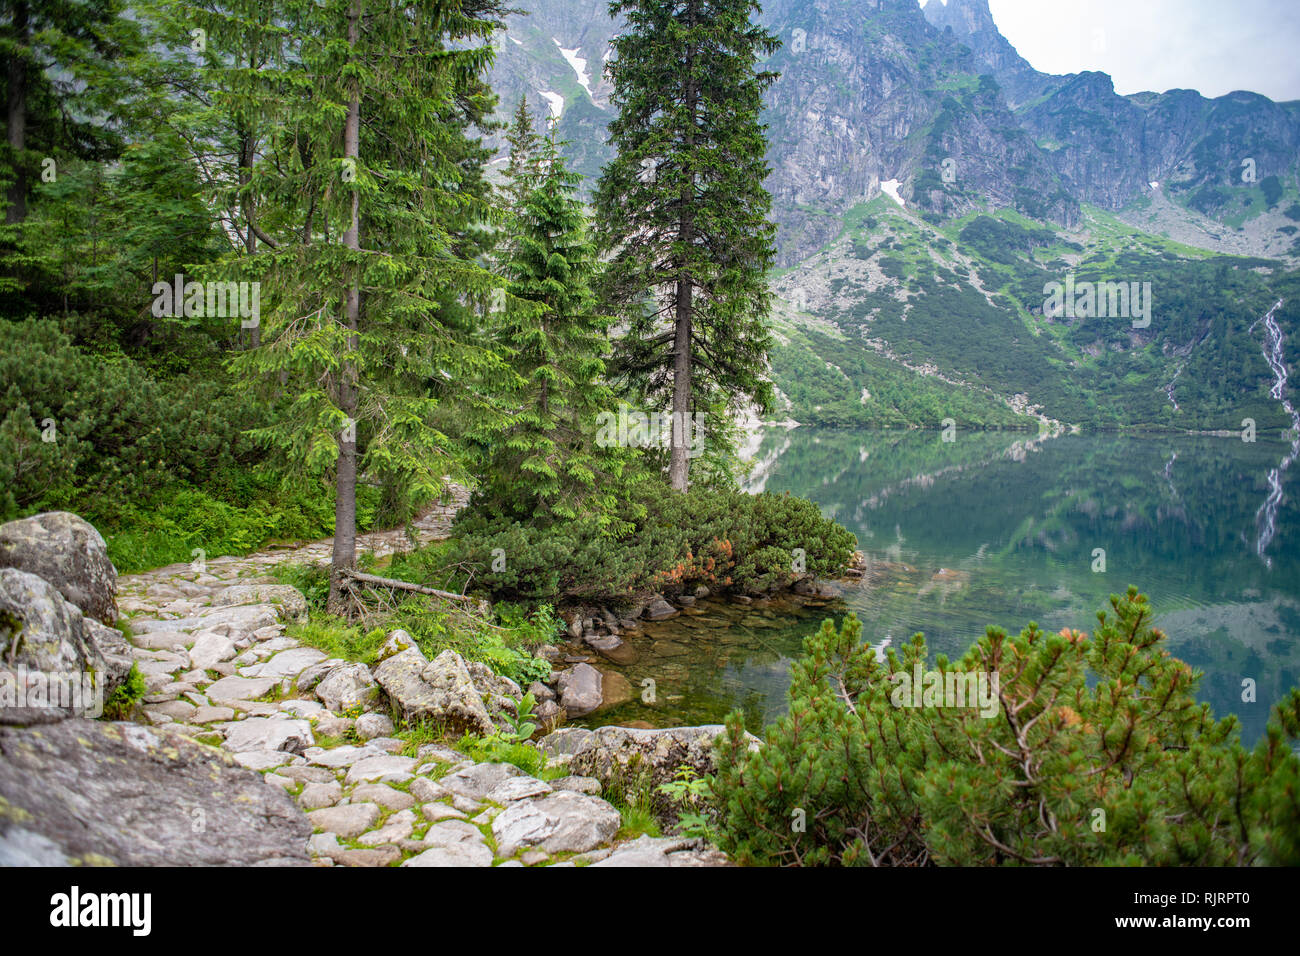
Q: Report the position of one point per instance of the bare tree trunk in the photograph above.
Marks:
(345, 498)
(679, 462)
(16, 117)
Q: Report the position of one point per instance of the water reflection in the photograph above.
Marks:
(993, 529)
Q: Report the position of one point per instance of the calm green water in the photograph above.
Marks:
(994, 529)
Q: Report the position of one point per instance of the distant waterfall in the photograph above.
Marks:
(1266, 517)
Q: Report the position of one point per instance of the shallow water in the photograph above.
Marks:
(995, 530)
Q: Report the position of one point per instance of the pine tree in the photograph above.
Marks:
(366, 263)
(683, 212)
(1095, 751)
(545, 465)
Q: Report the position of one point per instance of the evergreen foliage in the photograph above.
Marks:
(682, 212)
(1098, 754)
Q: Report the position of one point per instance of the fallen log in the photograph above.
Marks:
(377, 581)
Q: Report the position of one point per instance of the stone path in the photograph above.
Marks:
(219, 667)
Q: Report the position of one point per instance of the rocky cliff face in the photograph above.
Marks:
(1109, 148)
(869, 93)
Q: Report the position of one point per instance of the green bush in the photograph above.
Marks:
(722, 539)
(108, 432)
(1098, 754)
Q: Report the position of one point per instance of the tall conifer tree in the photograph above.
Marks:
(545, 464)
(367, 265)
(683, 212)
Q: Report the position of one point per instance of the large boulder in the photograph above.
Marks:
(86, 792)
(53, 657)
(68, 552)
(560, 822)
(631, 758)
(441, 690)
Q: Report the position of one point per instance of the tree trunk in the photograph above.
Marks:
(345, 497)
(679, 463)
(16, 117)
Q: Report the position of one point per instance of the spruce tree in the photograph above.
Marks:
(367, 264)
(523, 166)
(545, 464)
(683, 212)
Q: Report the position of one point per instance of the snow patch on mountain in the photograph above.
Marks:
(555, 100)
(578, 63)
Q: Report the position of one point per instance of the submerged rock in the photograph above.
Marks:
(580, 689)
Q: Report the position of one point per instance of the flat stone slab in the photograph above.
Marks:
(239, 688)
(288, 663)
(349, 821)
(383, 769)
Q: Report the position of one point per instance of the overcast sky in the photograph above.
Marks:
(1214, 46)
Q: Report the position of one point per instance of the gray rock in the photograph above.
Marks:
(315, 673)
(577, 784)
(517, 788)
(660, 610)
(209, 715)
(331, 725)
(385, 768)
(540, 691)
(435, 812)
(631, 758)
(70, 554)
(370, 726)
(261, 760)
(268, 733)
(348, 821)
(347, 686)
(239, 688)
(210, 648)
(453, 843)
(478, 780)
(290, 663)
(566, 741)
(339, 757)
(130, 795)
(67, 664)
(235, 622)
(580, 689)
(290, 601)
(315, 796)
(560, 822)
(441, 690)
(395, 829)
(305, 774)
(426, 791)
(440, 753)
(385, 796)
